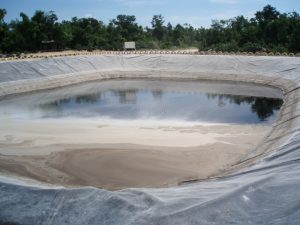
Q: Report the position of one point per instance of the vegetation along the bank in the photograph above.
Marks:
(268, 31)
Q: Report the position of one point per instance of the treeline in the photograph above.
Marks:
(269, 30)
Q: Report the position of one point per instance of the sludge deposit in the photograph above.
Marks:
(133, 133)
(252, 159)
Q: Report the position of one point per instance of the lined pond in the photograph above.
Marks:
(204, 101)
(119, 134)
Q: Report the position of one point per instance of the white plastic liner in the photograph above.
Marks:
(264, 192)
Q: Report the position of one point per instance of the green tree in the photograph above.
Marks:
(268, 30)
(269, 13)
(84, 33)
(127, 27)
(158, 28)
(294, 45)
(3, 27)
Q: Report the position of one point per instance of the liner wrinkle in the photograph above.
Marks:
(265, 190)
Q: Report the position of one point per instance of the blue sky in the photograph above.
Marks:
(195, 12)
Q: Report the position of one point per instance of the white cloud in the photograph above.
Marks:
(225, 1)
(139, 2)
(225, 15)
(195, 21)
(205, 21)
(88, 15)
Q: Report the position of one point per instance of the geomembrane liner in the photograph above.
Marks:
(262, 189)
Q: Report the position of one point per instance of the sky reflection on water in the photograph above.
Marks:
(165, 105)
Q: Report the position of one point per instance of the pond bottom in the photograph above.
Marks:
(77, 159)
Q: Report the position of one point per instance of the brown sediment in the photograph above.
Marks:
(116, 166)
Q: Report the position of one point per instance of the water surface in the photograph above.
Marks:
(155, 100)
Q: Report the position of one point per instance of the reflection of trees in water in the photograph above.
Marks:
(90, 98)
(263, 107)
(157, 94)
(127, 96)
(53, 106)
